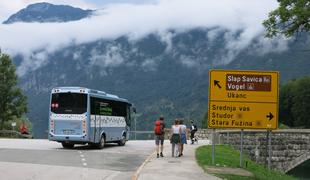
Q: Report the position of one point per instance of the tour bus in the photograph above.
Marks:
(85, 116)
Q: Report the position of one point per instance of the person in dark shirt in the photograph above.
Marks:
(193, 130)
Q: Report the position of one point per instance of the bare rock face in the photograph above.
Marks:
(46, 12)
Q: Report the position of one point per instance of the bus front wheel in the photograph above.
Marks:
(67, 145)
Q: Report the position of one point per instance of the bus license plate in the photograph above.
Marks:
(68, 132)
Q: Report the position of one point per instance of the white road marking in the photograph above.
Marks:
(83, 159)
(42, 171)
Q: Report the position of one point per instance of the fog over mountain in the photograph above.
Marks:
(156, 54)
(165, 18)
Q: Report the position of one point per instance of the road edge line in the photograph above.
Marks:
(135, 176)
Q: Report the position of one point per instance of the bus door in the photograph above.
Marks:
(95, 120)
(97, 129)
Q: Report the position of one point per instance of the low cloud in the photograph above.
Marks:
(138, 20)
(32, 61)
(110, 58)
(149, 64)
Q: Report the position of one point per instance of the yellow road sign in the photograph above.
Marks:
(243, 99)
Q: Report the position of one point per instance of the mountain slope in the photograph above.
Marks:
(157, 77)
(46, 12)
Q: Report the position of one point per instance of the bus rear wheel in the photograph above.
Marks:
(101, 144)
(67, 145)
(122, 142)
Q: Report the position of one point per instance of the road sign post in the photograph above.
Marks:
(213, 146)
(241, 148)
(269, 149)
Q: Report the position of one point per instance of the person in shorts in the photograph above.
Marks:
(183, 136)
(159, 132)
(175, 138)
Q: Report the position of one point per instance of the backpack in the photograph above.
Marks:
(158, 130)
(195, 128)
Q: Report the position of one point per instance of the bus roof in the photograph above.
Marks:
(89, 91)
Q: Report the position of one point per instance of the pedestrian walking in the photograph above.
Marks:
(183, 136)
(175, 138)
(193, 130)
(23, 129)
(159, 131)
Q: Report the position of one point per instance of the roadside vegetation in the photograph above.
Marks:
(19, 121)
(13, 103)
(295, 103)
(226, 156)
(289, 19)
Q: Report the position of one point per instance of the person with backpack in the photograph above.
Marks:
(159, 131)
(23, 129)
(193, 130)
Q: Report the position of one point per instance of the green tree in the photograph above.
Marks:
(301, 102)
(13, 103)
(291, 17)
(285, 106)
(295, 103)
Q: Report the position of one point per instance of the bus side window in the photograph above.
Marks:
(94, 106)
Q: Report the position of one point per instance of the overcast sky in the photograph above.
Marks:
(135, 19)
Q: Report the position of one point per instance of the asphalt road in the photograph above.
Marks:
(41, 159)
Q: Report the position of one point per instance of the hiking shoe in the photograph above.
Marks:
(161, 154)
(157, 155)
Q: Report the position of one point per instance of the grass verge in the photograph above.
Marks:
(226, 156)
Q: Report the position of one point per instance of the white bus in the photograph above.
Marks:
(85, 116)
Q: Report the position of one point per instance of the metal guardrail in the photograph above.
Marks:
(14, 134)
(141, 132)
(144, 135)
(141, 135)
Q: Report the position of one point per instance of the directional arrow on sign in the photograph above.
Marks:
(217, 83)
(270, 116)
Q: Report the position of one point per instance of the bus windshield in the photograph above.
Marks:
(69, 103)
